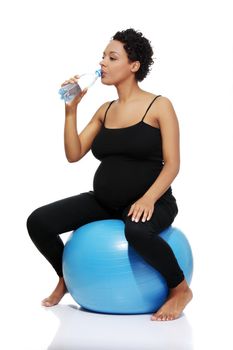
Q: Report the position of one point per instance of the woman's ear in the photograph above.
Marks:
(135, 66)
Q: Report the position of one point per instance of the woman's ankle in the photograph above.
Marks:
(181, 287)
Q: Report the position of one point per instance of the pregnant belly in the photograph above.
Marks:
(119, 182)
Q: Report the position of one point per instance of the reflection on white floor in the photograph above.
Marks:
(82, 329)
(68, 327)
(26, 325)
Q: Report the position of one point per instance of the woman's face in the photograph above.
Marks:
(115, 64)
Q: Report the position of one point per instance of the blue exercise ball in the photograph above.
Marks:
(104, 274)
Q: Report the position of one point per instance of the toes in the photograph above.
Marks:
(156, 317)
(162, 317)
(46, 302)
(168, 317)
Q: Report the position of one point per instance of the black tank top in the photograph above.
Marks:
(131, 160)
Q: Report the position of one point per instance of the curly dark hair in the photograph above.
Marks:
(138, 48)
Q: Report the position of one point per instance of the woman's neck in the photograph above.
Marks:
(128, 91)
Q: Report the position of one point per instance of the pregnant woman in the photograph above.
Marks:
(136, 139)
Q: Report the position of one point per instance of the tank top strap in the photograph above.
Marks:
(107, 111)
(150, 106)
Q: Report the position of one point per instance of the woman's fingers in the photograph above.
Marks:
(131, 209)
(142, 209)
(143, 213)
(84, 91)
(72, 80)
(65, 83)
(145, 216)
(137, 214)
(150, 214)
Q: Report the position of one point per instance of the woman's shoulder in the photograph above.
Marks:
(102, 110)
(163, 103)
(161, 108)
(158, 97)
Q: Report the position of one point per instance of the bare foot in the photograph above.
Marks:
(56, 295)
(178, 298)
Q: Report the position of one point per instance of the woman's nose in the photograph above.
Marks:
(102, 62)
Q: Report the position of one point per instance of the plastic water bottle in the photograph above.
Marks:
(86, 80)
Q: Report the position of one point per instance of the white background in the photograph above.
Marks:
(45, 42)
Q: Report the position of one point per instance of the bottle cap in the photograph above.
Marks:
(98, 72)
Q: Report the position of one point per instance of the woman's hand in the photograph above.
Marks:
(77, 99)
(144, 207)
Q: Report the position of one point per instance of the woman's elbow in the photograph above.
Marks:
(177, 169)
(72, 160)
(173, 166)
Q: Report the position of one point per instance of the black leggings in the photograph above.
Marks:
(46, 223)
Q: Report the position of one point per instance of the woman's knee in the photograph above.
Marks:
(136, 231)
(33, 222)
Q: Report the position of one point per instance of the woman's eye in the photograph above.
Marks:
(111, 58)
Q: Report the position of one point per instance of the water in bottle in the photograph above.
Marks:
(86, 80)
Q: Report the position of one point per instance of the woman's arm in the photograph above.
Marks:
(77, 145)
(169, 128)
(71, 139)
